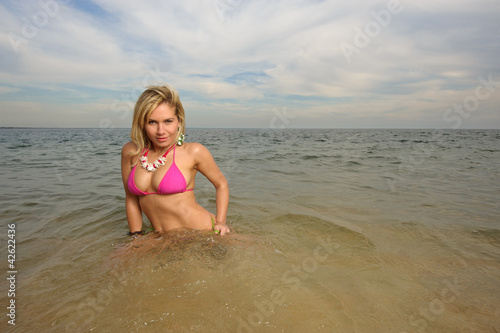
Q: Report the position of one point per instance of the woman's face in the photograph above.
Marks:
(162, 126)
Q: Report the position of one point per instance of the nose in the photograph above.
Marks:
(161, 128)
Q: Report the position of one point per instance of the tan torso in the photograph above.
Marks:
(171, 211)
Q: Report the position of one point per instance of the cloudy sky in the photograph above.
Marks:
(273, 63)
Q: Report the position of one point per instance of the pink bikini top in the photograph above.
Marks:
(173, 181)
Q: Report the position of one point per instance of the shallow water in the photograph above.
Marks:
(334, 231)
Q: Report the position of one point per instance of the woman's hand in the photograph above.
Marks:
(221, 229)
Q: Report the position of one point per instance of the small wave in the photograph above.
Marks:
(303, 226)
(491, 236)
(13, 147)
(310, 157)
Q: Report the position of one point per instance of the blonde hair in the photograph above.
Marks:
(147, 102)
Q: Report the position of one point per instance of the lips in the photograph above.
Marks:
(162, 139)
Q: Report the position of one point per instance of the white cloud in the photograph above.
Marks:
(6, 90)
(234, 56)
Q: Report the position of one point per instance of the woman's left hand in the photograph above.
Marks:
(221, 229)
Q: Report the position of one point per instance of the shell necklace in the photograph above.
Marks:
(156, 164)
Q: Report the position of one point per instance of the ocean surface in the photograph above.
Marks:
(334, 231)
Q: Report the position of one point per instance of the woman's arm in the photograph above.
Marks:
(205, 164)
(133, 209)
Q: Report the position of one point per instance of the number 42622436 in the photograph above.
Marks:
(11, 245)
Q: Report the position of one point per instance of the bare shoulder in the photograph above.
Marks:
(195, 148)
(128, 148)
(197, 151)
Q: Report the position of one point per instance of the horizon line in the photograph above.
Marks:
(263, 128)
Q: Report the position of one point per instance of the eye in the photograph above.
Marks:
(151, 122)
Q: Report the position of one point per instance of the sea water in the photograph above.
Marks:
(333, 231)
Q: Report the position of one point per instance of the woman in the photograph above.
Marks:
(159, 170)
